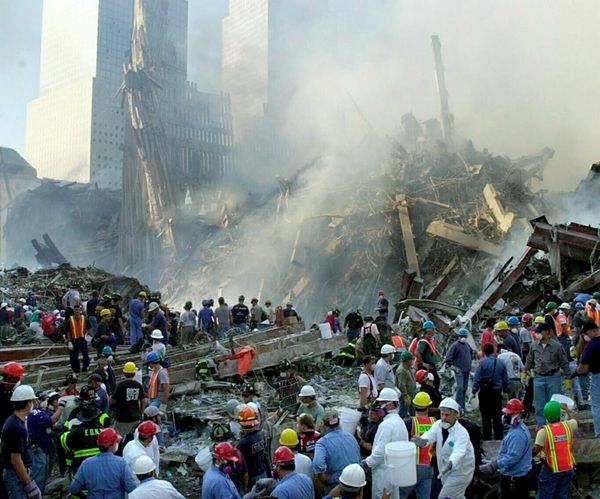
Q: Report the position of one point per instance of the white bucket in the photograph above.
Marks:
(326, 331)
(401, 463)
(563, 399)
(349, 419)
(204, 459)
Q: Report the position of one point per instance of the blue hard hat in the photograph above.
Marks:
(428, 325)
(463, 332)
(579, 306)
(152, 357)
(513, 321)
(107, 351)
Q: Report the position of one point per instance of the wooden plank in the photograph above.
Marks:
(407, 234)
(457, 235)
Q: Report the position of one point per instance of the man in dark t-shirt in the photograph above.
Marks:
(240, 313)
(129, 400)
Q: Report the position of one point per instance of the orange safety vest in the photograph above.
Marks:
(153, 384)
(421, 424)
(398, 341)
(559, 447)
(77, 327)
(593, 313)
(564, 328)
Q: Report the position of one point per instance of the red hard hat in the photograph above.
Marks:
(225, 451)
(108, 437)
(283, 455)
(13, 369)
(381, 293)
(527, 318)
(147, 429)
(421, 375)
(513, 406)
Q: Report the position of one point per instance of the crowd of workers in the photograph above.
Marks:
(106, 434)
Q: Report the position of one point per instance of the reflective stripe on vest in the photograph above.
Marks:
(84, 453)
(77, 327)
(559, 447)
(421, 424)
(153, 384)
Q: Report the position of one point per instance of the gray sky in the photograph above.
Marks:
(521, 74)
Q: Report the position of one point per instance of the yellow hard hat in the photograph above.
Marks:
(105, 312)
(289, 438)
(129, 368)
(501, 326)
(422, 399)
(539, 320)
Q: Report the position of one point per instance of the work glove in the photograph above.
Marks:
(262, 489)
(489, 468)
(32, 490)
(70, 345)
(419, 442)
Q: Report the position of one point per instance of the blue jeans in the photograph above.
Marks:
(462, 384)
(596, 402)
(352, 335)
(543, 389)
(554, 485)
(14, 485)
(93, 320)
(423, 486)
(39, 467)
(135, 331)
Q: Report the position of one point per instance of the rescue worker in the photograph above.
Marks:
(382, 307)
(158, 384)
(292, 484)
(352, 484)
(546, 359)
(490, 380)
(71, 386)
(16, 450)
(514, 460)
(117, 324)
(525, 334)
(150, 487)
(487, 336)
(239, 471)
(426, 352)
(252, 445)
(86, 397)
(144, 443)
(416, 427)
(95, 382)
(590, 364)
(425, 381)
(256, 313)
(346, 356)
(514, 368)
(308, 434)
(290, 315)
(383, 373)
(369, 430)
(554, 443)
(79, 442)
(129, 401)
(405, 381)
(310, 405)
(157, 321)
(353, 322)
(550, 318)
(369, 340)
(391, 429)
(503, 331)
(454, 451)
(563, 319)
(223, 317)
(513, 329)
(367, 386)
(106, 371)
(104, 474)
(335, 450)
(187, 324)
(240, 313)
(157, 344)
(136, 310)
(104, 336)
(75, 329)
(289, 438)
(269, 311)
(216, 483)
(458, 359)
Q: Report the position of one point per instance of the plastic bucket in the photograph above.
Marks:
(563, 399)
(326, 331)
(204, 459)
(349, 419)
(401, 463)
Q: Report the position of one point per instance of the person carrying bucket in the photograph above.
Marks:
(391, 429)
(454, 451)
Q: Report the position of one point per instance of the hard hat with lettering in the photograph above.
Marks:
(283, 455)
(289, 438)
(422, 399)
(22, 393)
(143, 465)
(307, 391)
(501, 326)
(513, 406)
(129, 368)
(225, 451)
(387, 349)
(220, 432)
(428, 325)
(14, 369)
(552, 411)
(450, 403)
(353, 476)
(388, 395)
(108, 437)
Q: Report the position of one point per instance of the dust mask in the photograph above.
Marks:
(445, 425)
(462, 340)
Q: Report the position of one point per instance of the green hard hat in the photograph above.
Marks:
(406, 356)
(596, 295)
(188, 304)
(551, 305)
(552, 411)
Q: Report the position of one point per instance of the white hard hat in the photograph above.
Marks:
(3, 305)
(23, 392)
(252, 406)
(307, 391)
(388, 395)
(387, 349)
(143, 465)
(22, 300)
(156, 335)
(353, 476)
(153, 306)
(565, 306)
(450, 403)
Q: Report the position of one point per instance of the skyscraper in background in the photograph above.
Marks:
(75, 128)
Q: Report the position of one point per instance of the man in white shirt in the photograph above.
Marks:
(384, 375)
(150, 487)
(514, 368)
(144, 443)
